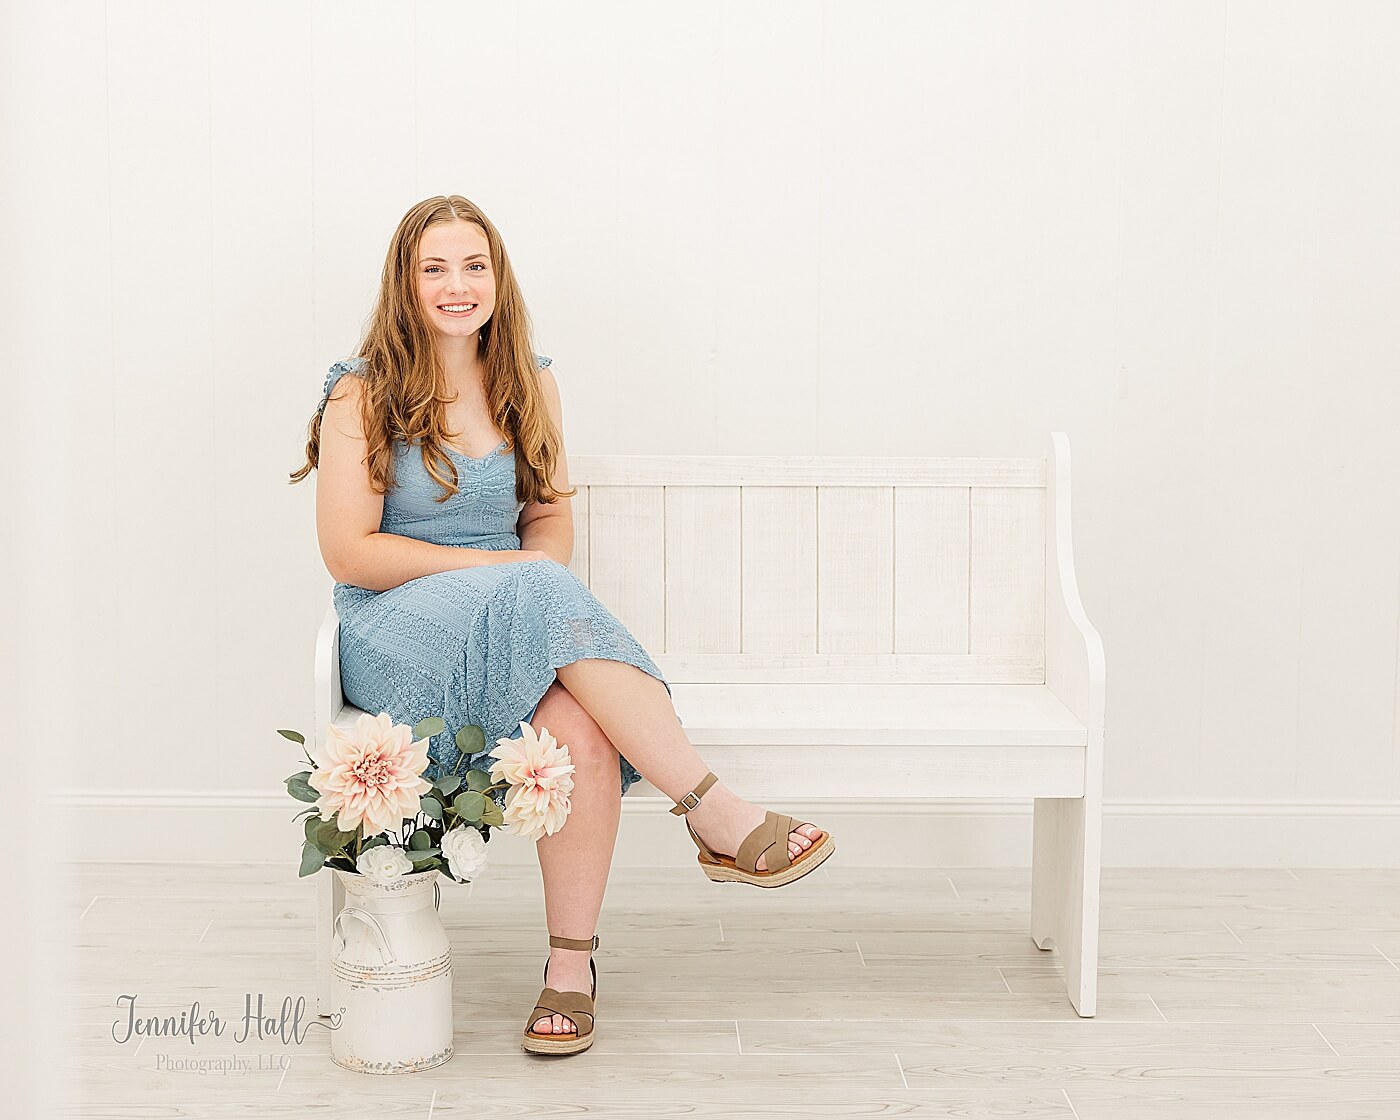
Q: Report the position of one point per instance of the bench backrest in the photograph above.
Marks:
(824, 570)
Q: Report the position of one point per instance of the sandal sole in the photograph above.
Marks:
(556, 1044)
(725, 871)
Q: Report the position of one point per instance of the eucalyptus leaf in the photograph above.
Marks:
(478, 779)
(471, 739)
(492, 815)
(470, 805)
(427, 853)
(344, 839)
(294, 736)
(420, 840)
(430, 807)
(374, 842)
(312, 859)
(427, 728)
(298, 787)
(448, 783)
(329, 838)
(305, 812)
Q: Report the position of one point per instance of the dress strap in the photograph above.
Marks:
(336, 370)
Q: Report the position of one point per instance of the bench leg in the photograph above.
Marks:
(330, 898)
(1065, 891)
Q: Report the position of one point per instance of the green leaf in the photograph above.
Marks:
(329, 837)
(309, 827)
(419, 855)
(312, 860)
(294, 736)
(430, 807)
(478, 779)
(420, 840)
(447, 784)
(470, 805)
(298, 787)
(427, 728)
(374, 842)
(304, 812)
(471, 739)
(493, 815)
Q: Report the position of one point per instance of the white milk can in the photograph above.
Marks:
(393, 976)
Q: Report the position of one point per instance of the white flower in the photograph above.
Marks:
(465, 850)
(383, 864)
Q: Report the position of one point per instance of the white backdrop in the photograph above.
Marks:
(1168, 229)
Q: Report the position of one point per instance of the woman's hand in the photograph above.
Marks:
(520, 555)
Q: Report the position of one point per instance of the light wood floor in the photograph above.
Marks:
(1232, 994)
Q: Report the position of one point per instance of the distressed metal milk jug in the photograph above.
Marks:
(393, 976)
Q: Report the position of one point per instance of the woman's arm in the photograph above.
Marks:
(380, 561)
(550, 528)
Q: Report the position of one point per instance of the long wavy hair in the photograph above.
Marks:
(405, 384)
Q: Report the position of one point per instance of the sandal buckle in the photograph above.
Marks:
(687, 802)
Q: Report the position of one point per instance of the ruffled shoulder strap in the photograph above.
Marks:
(351, 365)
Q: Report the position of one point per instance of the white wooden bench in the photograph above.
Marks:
(921, 613)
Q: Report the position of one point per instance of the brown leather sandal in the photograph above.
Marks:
(769, 839)
(577, 1006)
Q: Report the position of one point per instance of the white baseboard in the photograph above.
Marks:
(256, 826)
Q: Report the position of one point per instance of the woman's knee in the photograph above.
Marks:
(570, 724)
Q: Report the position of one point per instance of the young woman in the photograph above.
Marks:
(443, 513)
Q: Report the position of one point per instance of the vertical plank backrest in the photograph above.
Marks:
(779, 546)
(1006, 608)
(932, 551)
(703, 539)
(855, 555)
(627, 557)
(768, 559)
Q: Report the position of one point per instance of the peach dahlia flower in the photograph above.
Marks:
(371, 775)
(538, 770)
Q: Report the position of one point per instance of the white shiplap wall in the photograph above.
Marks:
(791, 228)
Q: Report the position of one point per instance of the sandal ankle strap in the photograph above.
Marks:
(692, 799)
(583, 944)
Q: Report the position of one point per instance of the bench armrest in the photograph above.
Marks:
(328, 698)
(1074, 661)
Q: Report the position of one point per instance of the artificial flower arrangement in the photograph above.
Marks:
(375, 813)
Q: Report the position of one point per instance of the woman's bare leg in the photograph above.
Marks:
(574, 862)
(634, 710)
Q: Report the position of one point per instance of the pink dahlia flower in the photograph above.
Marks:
(371, 775)
(538, 770)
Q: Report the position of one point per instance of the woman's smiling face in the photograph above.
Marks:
(454, 270)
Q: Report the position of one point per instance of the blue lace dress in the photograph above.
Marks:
(474, 645)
